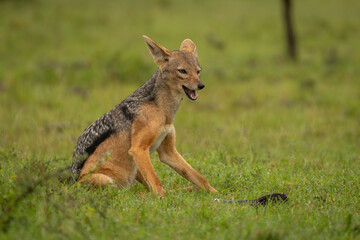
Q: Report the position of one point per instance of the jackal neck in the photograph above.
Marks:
(167, 98)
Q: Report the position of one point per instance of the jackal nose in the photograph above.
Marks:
(201, 86)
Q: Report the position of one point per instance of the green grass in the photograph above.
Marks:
(261, 125)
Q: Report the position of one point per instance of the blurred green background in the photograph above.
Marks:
(64, 63)
(263, 123)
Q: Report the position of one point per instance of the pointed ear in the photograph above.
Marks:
(159, 53)
(188, 46)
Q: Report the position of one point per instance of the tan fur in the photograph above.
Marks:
(124, 156)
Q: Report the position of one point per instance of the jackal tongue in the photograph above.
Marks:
(191, 94)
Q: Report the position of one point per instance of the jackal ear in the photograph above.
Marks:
(188, 46)
(159, 53)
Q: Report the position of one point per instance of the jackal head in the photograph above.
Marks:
(179, 69)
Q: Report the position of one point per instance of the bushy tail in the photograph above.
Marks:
(66, 176)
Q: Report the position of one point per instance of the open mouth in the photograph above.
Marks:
(191, 94)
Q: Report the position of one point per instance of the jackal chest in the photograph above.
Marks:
(161, 136)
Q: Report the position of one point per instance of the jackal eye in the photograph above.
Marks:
(198, 72)
(182, 71)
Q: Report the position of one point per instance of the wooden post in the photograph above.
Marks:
(289, 30)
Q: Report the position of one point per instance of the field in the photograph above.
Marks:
(263, 124)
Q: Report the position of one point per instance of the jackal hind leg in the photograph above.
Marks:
(98, 180)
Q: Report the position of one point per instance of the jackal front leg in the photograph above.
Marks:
(141, 140)
(170, 156)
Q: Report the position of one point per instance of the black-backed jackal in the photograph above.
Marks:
(115, 149)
